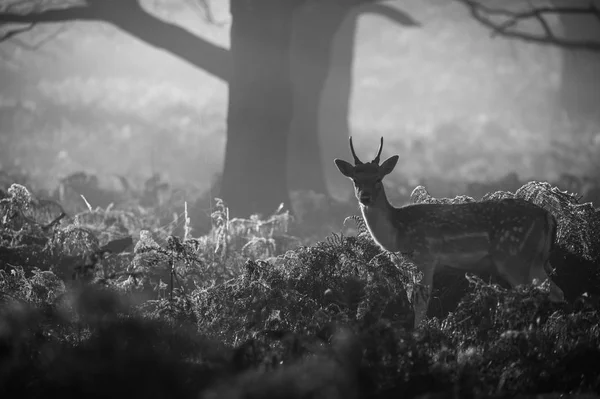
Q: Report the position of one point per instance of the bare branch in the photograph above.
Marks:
(547, 29)
(12, 33)
(81, 13)
(34, 15)
(41, 42)
(504, 22)
(130, 17)
(206, 12)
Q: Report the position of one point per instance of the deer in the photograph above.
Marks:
(510, 238)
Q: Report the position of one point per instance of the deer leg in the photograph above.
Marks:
(540, 265)
(556, 293)
(423, 293)
(513, 270)
(538, 272)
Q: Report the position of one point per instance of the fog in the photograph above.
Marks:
(454, 102)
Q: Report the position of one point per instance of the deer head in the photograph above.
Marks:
(367, 177)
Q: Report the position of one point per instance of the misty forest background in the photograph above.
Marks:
(122, 90)
(140, 139)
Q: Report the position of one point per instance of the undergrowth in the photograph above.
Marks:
(113, 302)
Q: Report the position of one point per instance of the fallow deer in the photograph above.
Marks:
(511, 238)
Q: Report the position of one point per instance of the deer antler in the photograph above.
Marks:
(376, 160)
(356, 160)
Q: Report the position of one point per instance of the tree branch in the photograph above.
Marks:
(174, 39)
(505, 23)
(130, 17)
(40, 42)
(206, 12)
(75, 13)
(12, 33)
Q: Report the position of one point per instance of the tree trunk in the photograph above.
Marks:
(323, 62)
(580, 84)
(315, 30)
(260, 107)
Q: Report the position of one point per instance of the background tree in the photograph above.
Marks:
(261, 86)
(260, 106)
(579, 39)
(317, 25)
(281, 53)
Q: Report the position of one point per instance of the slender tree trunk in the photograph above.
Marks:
(260, 107)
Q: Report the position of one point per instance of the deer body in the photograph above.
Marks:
(511, 238)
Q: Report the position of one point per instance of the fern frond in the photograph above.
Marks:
(360, 224)
(335, 240)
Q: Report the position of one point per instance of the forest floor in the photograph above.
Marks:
(136, 299)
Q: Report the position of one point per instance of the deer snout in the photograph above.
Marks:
(365, 198)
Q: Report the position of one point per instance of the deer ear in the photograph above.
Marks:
(345, 167)
(388, 165)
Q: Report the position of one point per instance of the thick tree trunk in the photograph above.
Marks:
(315, 30)
(260, 107)
(323, 62)
(580, 84)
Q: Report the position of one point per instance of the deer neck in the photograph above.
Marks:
(379, 220)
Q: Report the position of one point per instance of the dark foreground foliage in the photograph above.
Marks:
(109, 303)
